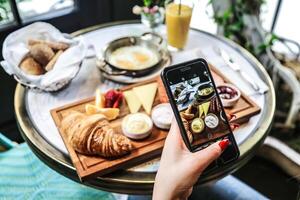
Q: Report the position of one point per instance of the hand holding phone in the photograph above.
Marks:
(197, 108)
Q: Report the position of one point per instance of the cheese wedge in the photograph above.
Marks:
(205, 107)
(200, 110)
(146, 95)
(132, 100)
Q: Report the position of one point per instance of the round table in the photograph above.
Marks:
(38, 129)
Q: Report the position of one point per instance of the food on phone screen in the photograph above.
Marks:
(137, 126)
(199, 108)
(197, 125)
(162, 115)
(211, 121)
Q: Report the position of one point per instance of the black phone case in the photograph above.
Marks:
(176, 113)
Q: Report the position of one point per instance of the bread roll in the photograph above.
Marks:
(52, 62)
(30, 66)
(54, 45)
(41, 53)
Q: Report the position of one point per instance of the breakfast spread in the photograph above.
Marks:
(137, 126)
(229, 94)
(42, 56)
(118, 122)
(92, 135)
(129, 113)
(162, 115)
(91, 132)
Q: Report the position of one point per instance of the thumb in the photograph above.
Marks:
(209, 154)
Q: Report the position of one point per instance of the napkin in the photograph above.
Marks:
(211, 57)
(65, 68)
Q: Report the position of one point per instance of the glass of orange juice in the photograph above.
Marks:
(178, 17)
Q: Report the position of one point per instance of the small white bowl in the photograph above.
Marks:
(162, 115)
(135, 117)
(230, 102)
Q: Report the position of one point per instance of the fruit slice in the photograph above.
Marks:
(109, 113)
(99, 102)
(146, 95)
(133, 102)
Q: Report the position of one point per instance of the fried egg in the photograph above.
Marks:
(133, 58)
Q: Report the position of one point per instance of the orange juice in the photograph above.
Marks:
(178, 24)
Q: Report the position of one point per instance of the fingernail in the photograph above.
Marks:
(236, 126)
(232, 116)
(223, 144)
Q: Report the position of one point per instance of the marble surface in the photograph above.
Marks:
(89, 78)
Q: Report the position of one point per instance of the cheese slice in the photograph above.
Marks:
(133, 102)
(205, 107)
(200, 110)
(146, 95)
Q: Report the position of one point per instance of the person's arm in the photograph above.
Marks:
(179, 168)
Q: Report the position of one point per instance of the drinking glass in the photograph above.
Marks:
(178, 18)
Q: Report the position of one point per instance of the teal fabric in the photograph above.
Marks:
(5, 142)
(24, 176)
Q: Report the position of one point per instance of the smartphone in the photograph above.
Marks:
(198, 108)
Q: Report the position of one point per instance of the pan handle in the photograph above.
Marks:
(104, 67)
(153, 35)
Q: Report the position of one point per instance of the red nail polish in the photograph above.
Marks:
(223, 144)
(232, 116)
(236, 125)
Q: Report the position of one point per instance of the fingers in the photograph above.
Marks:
(234, 126)
(174, 136)
(230, 116)
(209, 154)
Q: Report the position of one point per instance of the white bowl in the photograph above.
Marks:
(234, 100)
(139, 135)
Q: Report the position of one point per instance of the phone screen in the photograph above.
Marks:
(198, 104)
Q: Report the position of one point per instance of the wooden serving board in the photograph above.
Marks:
(90, 166)
(151, 147)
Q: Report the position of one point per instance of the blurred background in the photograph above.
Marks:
(278, 18)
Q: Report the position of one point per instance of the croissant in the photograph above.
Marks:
(92, 135)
